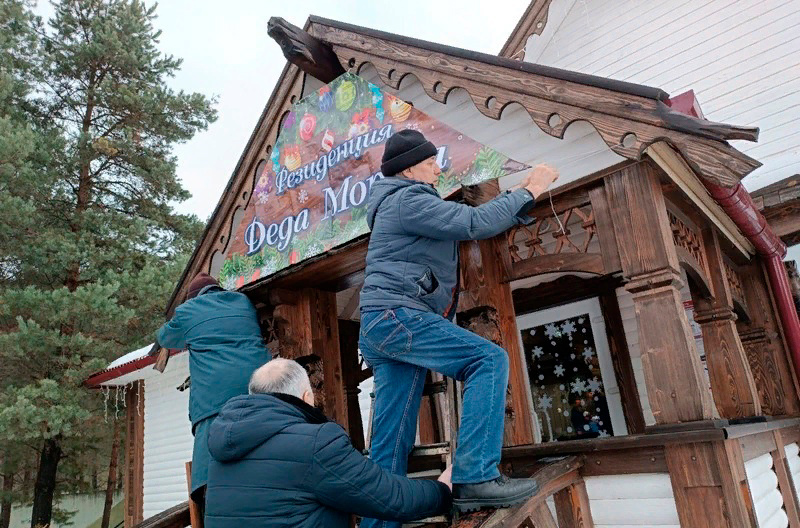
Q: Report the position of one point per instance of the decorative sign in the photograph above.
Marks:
(311, 194)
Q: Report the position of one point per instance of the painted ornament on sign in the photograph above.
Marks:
(327, 140)
(400, 110)
(291, 157)
(345, 96)
(325, 99)
(307, 126)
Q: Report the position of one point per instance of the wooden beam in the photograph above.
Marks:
(310, 54)
(676, 385)
(351, 378)
(134, 455)
(621, 359)
(562, 262)
(195, 516)
(707, 488)
(175, 517)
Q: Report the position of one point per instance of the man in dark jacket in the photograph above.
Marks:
(408, 303)
(220, 328)
(279, 463)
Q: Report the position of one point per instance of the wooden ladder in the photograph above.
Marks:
(559, 478)
(429, 460)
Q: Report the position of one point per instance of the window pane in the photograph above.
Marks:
(567, 388)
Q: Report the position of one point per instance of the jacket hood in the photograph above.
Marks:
(381, 190)
(246, 422)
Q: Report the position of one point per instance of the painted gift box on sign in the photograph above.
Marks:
(310, 196)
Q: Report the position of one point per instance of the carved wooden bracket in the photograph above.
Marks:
(308, 53)
(691, 253)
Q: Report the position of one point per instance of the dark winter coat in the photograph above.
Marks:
(220, 328)
(412, 259)
(278, 463)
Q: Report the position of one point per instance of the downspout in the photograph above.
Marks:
(736, 201)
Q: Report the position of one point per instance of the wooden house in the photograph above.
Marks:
(694, 414)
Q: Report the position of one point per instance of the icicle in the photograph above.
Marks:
(116, 403)
(106, 394)
(139, 399)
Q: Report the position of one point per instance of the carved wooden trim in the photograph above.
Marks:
(735, 284)
(627, 123)
(529, 251)
(691, 251)
(532, 23)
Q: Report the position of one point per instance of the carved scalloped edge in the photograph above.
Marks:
(524, 31)
(245, 177)
(713, 160)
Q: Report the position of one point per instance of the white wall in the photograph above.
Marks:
(741, 59)
(767, 499)
(628, 501)
(793, 459)
(167, 437)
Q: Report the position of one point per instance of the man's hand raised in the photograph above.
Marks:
(539, 179)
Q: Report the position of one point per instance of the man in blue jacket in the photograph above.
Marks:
(278, 462)
(408, 302)
(220, 328)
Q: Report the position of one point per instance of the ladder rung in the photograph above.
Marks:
(431, 449)
(425, 474)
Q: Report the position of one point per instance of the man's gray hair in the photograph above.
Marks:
(280, 375)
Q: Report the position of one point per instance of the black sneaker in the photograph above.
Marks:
(501, 492)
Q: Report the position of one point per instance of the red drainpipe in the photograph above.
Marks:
(736, 201)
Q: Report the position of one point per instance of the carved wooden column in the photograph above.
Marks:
(307, 330)
(732, 385)
(487, 309)
(675, 383)
(764, 347)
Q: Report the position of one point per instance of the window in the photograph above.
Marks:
(573, 388)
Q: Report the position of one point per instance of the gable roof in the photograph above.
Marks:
(629, 117)
(532, 22)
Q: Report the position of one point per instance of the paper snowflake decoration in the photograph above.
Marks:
(551, 331)
(559, 370)
(578, 386)
(537, 352)
(588, 353)
(580, 321)
(545, 402)
(303, 197)
(594, 384)
(604, 434)
(568, 328)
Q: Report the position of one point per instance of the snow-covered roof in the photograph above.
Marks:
(125, 369)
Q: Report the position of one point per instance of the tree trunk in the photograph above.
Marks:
(5, 504)
(112, 477)
(45, 486)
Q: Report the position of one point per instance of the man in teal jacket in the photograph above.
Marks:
(220, 328)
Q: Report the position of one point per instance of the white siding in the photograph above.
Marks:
(767, 499)
(645, 500)
(742, 59)
(167, 437)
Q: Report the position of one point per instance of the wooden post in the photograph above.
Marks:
(732, 384)
(194, 511)
(134, 455)
(348, 344)
(764, 347)
(572, 507)
(709, 483)
(487, 309)
(675, 383)
(307, 330)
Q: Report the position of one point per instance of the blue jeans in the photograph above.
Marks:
(400, 345)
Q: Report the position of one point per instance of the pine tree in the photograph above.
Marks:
(90, 244)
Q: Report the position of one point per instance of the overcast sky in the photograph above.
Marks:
(227, 53)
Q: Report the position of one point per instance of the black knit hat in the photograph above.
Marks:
(405, 149)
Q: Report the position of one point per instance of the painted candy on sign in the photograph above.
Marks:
(310, 195)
